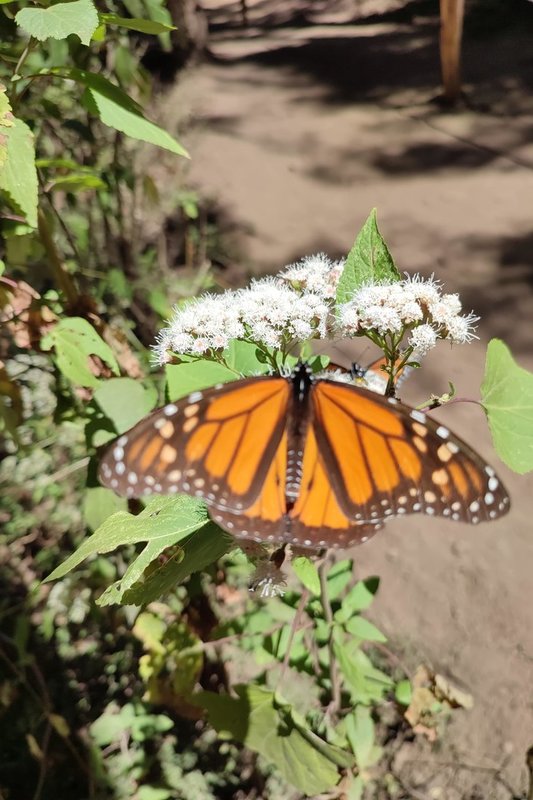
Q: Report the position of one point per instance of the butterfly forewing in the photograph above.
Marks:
(384, 458)
(218, 445)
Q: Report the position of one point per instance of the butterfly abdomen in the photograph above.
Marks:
(297, 425)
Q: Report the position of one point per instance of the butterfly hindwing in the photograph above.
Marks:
(217, 444)
(314, 521)
(384, 459)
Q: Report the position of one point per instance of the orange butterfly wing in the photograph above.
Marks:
(218, 445)
(384, 458)
(315, 519)
(364, 458)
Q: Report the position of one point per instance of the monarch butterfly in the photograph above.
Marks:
(309, 461)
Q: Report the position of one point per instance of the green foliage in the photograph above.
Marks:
(369, 260)
(299, 680)
(307, 574)
(165, 520)
(60, 20)
(18, 177)
(74, 340)
(125, 401)
(507, 397)
(135, 24)
(267, 724)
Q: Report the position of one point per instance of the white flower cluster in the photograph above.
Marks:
(413, 304)
(268, 312)
(314, 274)
(207, 323)
(299, 304)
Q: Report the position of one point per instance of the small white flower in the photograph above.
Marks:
(423, 339)
(445, 309)
(316, 274)
(268, 580)
(460, 329)
(424, 290)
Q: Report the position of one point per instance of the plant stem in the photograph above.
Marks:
(63, 280)
(335, 705)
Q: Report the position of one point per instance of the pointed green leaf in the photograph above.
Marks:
(134, 125)
(134, 575)
(74, 340)
(195, 553)
(358, 599)
(161, 518)
(258, 720)
(136, 24)
(369, 261)
(365, 683)
(507, 397)
(360, 731)
(116, 109)
(60, 20)
(80, 182)
(18, 176)
(364, 630)
(307, 573)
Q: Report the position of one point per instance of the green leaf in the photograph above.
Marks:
(507, 397)
(136, 24)
(339, 576)
(131, 124)
(6, 121)
(60, 20)
(195, 553)
(134, 576)
(76, 183)
(117, 110)
(18, 176)
(358, 599)
(162, 516)
(364, 630)
(153, 793)
(369, 261)
(74, 340)
(99, 503)
(242, 357)
(360, 731)
(150, 630)
(307, 573)
(403, 692)
(365, 683)
(267, 725)
(125, 401)
(182, 379)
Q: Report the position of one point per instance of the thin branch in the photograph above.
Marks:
(42, 771)
(335, 704)
(295, 626)
(62, 277)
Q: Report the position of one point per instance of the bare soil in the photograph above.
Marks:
(298, 125)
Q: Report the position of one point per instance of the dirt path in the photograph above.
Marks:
(297, 135)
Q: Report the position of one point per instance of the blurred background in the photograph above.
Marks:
(300, 116)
